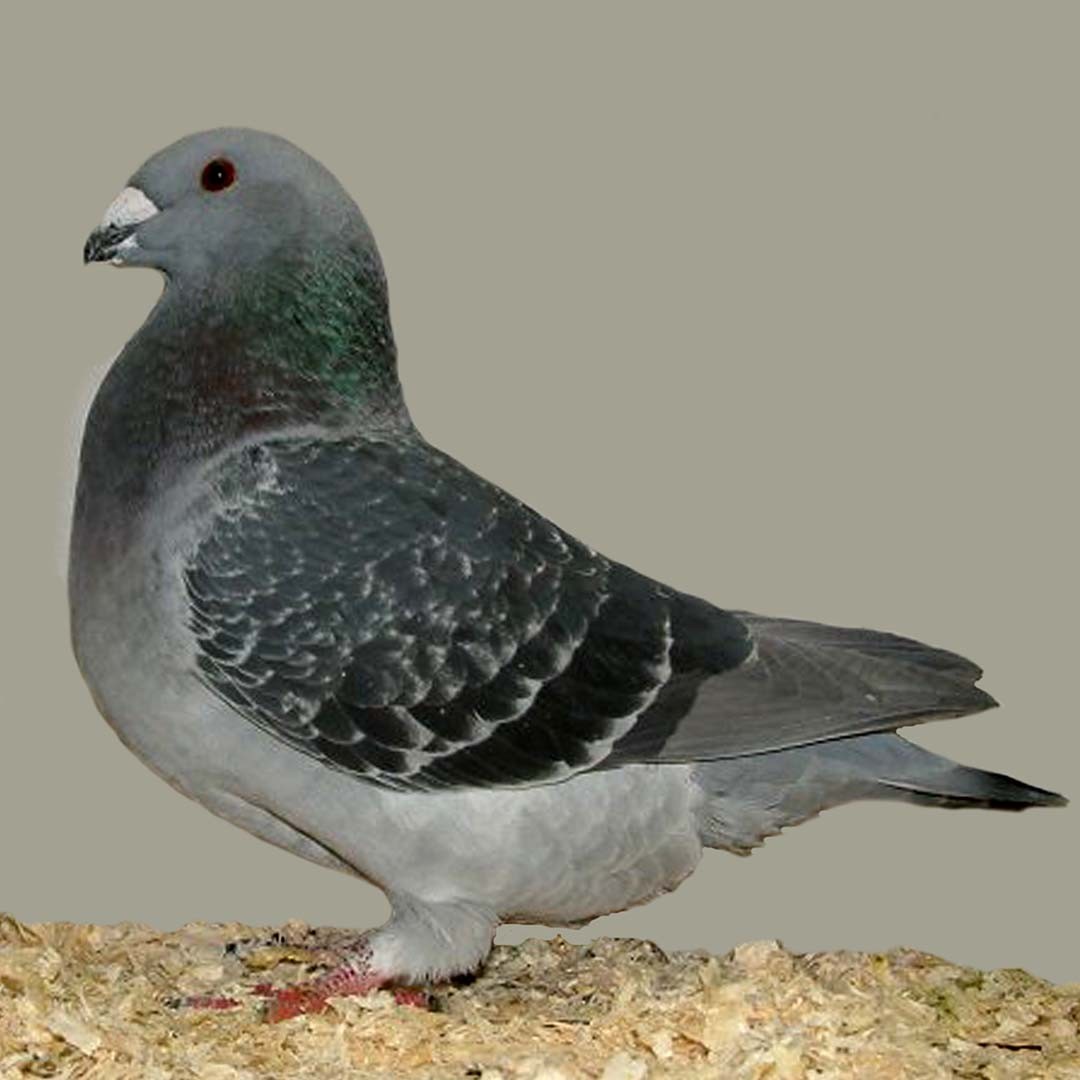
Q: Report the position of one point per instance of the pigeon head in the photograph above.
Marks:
(224, 202)
(275, 299)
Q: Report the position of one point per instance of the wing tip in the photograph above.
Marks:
(981, 700)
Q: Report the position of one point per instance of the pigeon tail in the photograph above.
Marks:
(923, 777)
(748, 799)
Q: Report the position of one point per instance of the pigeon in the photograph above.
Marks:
(333, 634)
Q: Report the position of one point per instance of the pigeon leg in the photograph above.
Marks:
(356, 976)
(422, 943)
(345, 956)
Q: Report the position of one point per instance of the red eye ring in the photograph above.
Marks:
(218, 174)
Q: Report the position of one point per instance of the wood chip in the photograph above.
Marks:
(92, 1002)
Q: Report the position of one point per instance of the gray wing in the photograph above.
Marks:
(380, 607)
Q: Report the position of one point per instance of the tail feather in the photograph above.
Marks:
(748, 799)
(952, 785)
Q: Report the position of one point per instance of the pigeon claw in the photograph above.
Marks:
(214, 1002)
(412, 996)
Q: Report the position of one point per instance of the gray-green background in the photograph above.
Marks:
(775, 302)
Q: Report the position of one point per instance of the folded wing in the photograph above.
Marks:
(378, 606)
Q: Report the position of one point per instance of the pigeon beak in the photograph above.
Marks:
(115, 236)
(104, 245)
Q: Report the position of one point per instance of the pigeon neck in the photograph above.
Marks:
(217, 366)
(310, 337)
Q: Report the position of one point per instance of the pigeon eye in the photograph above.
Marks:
(218, 174)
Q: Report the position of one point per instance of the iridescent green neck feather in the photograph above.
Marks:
(325, 330)
(306, 344)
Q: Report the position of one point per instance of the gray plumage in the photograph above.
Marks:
(324, 629)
